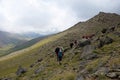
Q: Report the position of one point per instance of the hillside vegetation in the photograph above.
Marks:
(9, 40)
(8, 50)
(97, 60)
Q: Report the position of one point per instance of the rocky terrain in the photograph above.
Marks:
(96, 56)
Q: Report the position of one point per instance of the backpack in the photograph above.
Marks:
(60, 53)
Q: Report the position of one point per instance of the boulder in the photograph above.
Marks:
(82, 64)
(37, 71)
(88, 50)
(100, 44)
(32, 65)
(104, 30)
(117, 33)
(108, 40)
(91, 56)
(20, 71)
(82, 75)
(39, 60)
(80, 78)
(113, 74)
(111, 29)
(105, 40)
(101, 71)
(84, 43)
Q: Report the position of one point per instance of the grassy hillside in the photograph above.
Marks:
(73, 66)
(9, 49)
(9, 40)
(5, 48)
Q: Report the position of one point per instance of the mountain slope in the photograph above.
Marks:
(25, 44)
(32, 35)
(9, 38)
(21, 45)
(40, 60)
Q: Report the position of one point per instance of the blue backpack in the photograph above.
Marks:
(60, 53)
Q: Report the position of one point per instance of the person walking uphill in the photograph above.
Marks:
(59, 54)
(56, 51)
(71, 45)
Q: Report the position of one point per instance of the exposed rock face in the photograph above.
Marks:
(105, 40)
(104, 30)
(91, 56)
(113, 74)
(87, 52)
(117, 33)
(82, 75)
(37, 71)
(84, 43)
(80, 78)
(108, 40)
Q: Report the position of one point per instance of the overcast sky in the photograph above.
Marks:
(50, 16)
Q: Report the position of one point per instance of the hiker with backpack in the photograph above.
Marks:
(71, 45)
(59, 53)
(75, 43)
(56, 51)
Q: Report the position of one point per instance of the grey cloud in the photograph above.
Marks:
(50, 16)
(34, 19)
(89, 8)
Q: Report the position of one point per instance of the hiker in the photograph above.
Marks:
(75, 42)
(60, 55)
(56, 51)
(71, 45)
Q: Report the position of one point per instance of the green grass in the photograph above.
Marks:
(96, 63)
(30, 55)
(4, 49)
(24, 57)
(45, 50)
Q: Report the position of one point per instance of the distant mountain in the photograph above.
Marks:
(7, 38)
(25, 44)
(13, 42)
(31, 35)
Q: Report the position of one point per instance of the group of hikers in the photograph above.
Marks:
(75, 43)
(60, 51)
